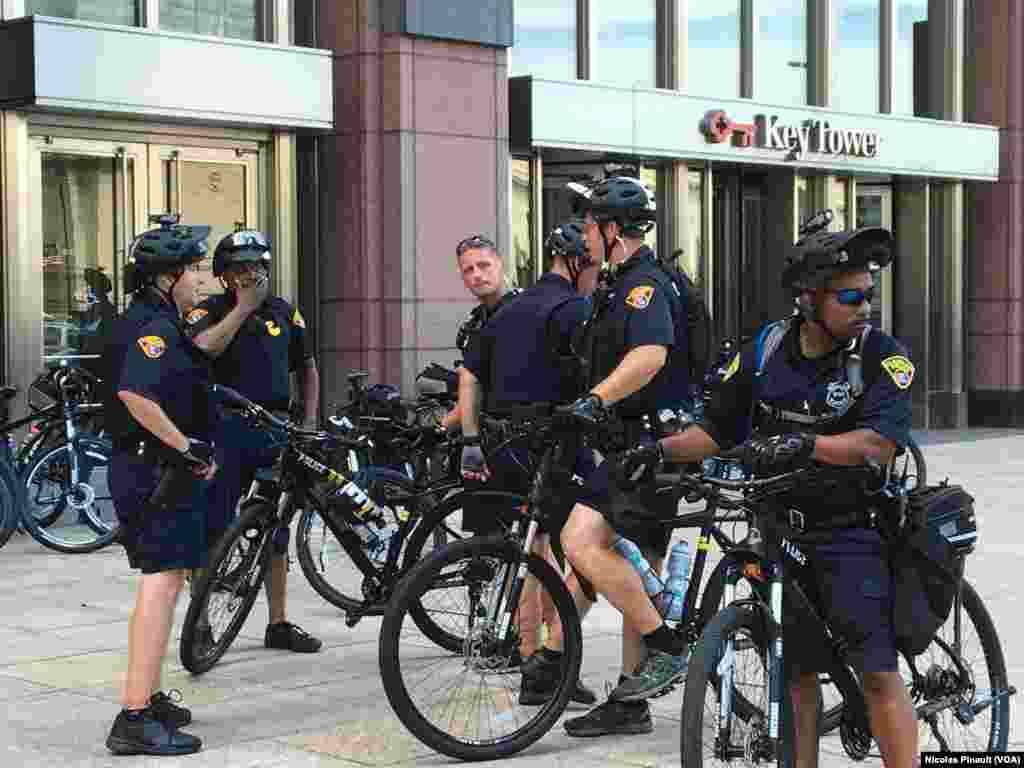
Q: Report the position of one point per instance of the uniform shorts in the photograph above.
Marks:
(850, 582)
(156, 540)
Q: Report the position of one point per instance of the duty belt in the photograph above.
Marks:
(811, 524)
(780, 414)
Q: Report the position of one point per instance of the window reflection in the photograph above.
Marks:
(107, 11)
(855, 55)
(713, 58)
(624, 48)
(692, 259)
(545, 39)
(782, 55)
(521, 262)
(908, 13)
(239, 19)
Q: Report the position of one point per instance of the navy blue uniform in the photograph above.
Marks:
(642, 307)
(850, 570)
(150, 355)
(271, 344)
(516, 358)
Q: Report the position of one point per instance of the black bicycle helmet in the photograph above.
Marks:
(247, 246)
(96, 279)
(626, 200)
(820, 254)
(568, 242)
(167, 250)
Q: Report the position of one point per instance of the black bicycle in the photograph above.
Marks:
(733, 696)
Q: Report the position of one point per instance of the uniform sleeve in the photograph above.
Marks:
(648, 315)
(568, 318)
(729, 415)
(203, 316)
(300, 348)
(886, 403)
(476, 356)
(146, 359)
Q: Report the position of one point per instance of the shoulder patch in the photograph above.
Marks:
(195, 316)
(640, 297)
(900, 370)
(298, 320)
(273, 328)
(734, 366)
(152, 346)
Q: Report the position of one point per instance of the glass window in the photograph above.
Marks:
(855, 51)
(692, 259)
(240, 19)
(649, 176)
(623, 46)
(108, 11)
(545, 39)
(840, 205)
(908, 13)
(713, 58)
(522, 263)
(782, 53)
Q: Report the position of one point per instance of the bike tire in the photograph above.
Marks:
(248, 537)
(732, 622)
(484, 557)
(96, 526)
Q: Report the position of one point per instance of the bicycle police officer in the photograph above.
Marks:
(257, 341)
(160, 423)
(520, 363)
(635, 350)
(824, 387)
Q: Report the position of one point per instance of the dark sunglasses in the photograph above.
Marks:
(476, 241)
(854, 297)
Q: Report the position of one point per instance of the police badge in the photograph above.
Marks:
(838, 396)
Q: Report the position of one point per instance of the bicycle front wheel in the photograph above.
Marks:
(466, 705)
(64, 515)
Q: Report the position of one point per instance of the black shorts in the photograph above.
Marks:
(628, 521)
(155, 540)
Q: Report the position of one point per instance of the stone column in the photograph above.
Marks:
(418, 161)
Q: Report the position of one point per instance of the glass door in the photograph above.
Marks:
(205, 186)
(874, 209)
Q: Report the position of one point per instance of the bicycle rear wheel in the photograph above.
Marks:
(467, 705)
(225, 593)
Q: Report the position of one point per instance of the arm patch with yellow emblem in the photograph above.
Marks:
(900, 370)
(733, 367)
(640, 297)
(195, 316)
(152, 347)
(298, 320)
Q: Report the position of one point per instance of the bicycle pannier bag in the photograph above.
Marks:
(927, 560)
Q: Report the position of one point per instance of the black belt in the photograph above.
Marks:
(811, 524)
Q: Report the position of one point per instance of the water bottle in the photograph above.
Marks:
(368, 519)
(632, 553)
(675, 583)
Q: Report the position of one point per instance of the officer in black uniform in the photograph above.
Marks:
(483, 273)
(257, 342)
(824, 387)
(519, 364)
(635, 353)
(161, 423)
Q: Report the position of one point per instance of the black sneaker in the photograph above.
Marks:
(540, 680)
(612, 718)
(165, 709)
(145, 735)
(288, 637)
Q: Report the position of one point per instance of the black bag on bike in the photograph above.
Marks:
(927, 562)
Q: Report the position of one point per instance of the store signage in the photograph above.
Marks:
(815, 135)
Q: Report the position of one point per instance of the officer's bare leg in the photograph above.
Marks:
(804, 693)
(892, 718)
(148, 634)
(587, 540)
(277, 589)
(531, 603)
(634, 650)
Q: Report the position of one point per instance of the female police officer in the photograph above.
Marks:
(160, 422)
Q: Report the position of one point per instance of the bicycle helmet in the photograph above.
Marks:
(568, 242)
(167, 250)
(625, 200)
(247, 246)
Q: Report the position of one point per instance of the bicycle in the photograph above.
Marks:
(438, 705)
(11, 493)
(740, 653)
(227, 589)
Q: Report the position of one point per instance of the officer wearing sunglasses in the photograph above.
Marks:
(823, 387)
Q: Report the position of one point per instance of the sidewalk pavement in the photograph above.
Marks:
(63, 623)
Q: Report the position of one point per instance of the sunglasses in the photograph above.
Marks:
(854, 297)
(470, 243)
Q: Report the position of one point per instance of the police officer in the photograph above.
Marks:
(635, 352)
(824, 387)
(257, 341)
(160, 423)
(483, 273)
(519, 363)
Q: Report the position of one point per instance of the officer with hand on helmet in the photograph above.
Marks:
(161, 425)
(823, 387)
(257, 341)
(520, 364)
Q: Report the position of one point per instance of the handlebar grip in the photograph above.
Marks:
(233, 397)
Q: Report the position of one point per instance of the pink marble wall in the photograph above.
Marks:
(996, 251)
(412, 168)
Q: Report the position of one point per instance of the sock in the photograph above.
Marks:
(665, 640)
(550, 655)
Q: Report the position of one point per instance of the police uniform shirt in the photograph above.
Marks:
(153, 357)
(271, 344)
(477, 319)
(643, 307)
(514, 355)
